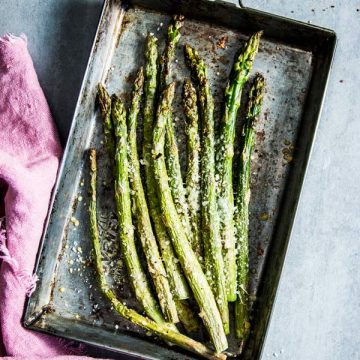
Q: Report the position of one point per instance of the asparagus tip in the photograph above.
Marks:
(103, 98)
(139, 80)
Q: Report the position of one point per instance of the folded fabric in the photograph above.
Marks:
(29, 158)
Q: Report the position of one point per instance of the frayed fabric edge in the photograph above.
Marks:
(11, 38)
(28, 281)
(25, 278)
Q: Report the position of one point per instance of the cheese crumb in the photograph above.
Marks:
(264, 216)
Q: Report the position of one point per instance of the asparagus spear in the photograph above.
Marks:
(242, 325)
(193, 162)
(189, 262)
(171, 149)
(105, 110)
(141, 213)
(162, 330)
(173, 36)
(239, 76)
(176, 279)
(177, 282)
(126, 231)
(214, 265)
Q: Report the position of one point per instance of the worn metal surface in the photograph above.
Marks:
(295, 60)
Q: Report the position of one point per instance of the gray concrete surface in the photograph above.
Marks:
(317, 313)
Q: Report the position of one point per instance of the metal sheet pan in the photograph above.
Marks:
(295, 59)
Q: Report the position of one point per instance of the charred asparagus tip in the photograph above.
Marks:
(108, 127)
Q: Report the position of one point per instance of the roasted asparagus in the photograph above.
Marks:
(189, 261)
(213, 264)
(135, 270)
(176, 279)
(242, 324)
(140, 210)
(239, 76)
(193, 163)
(164, 331)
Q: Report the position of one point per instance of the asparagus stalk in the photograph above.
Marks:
(242, 324)
(178, 191)
(105, 110)
(239, 76)
(186, 316)
(189, 261)
(141, 213)
(171, 148)
(123, 204)
(162, 330)
(176, 279)
(193, 162)
(214, 265)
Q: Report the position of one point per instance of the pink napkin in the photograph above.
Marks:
(29, 158)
